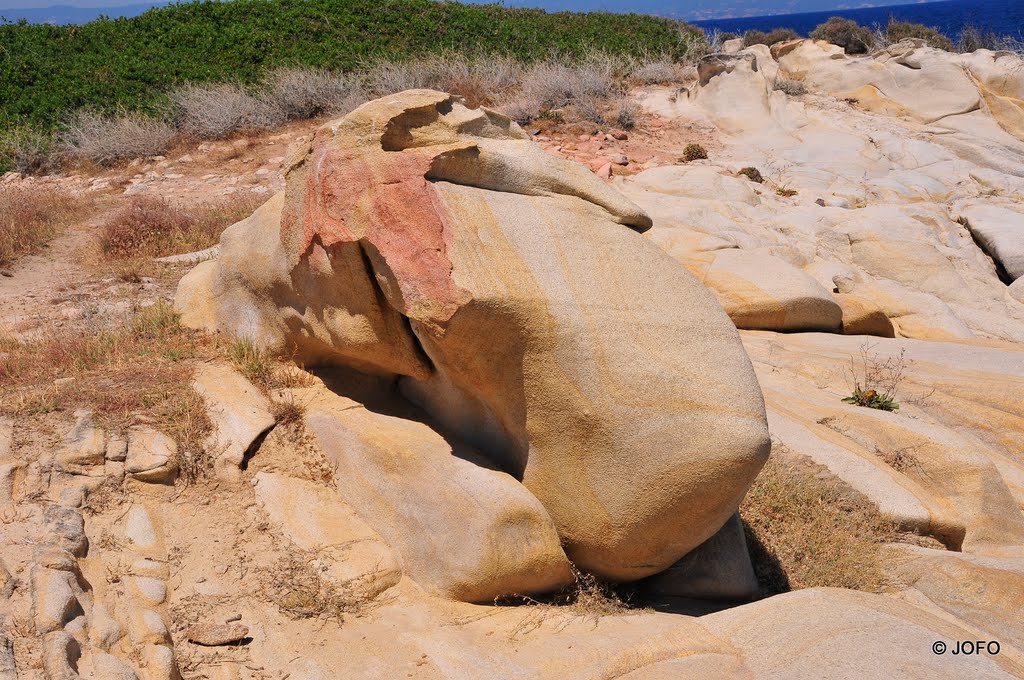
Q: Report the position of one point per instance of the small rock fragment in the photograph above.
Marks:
(60, 656)
(159, 663)
(214, 634)
(65, 528)
(152, 456)
(84, 447)
(54, 600)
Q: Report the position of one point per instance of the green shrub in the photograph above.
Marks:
(846, 33)
(753, 174)
(896, 31)
(694, 152)
(770, 38)
(26, 150)
(47, 71)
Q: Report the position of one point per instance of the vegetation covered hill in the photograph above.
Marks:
(47, 71)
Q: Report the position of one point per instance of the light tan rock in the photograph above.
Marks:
(464, 531)
(1000, 231)
(216, 634)
(65, 529)
(759, 291)
(863, 317)
(483, 273)
(152, 456)
(984, 592)
(239, 412)
(107, 666)
(60, 655)
(84, 447)
(54, 598)
(797, 634)
(10, 473)
(6, 437)
(158, 663)
(315, 518)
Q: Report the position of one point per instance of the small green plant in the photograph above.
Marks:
(252, 362)
(871, 399)
(776, 35)
(786, 191)
(876, 379)
(845, 33)
(896, 31)
(753, 174)
(693, 152)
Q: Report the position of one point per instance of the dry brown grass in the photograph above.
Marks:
(805, 532)
(31, 217)
(123, 373)
(295, 583)
(588, 598)
(106, 140)
(150, 226)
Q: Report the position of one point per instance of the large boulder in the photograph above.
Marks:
(512, 297)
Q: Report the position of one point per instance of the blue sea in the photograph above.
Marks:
(1002, 17)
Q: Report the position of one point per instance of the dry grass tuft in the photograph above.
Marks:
(31, 217)
(804, 532)
(255, 364)
(296, 584)
(150, 226)
(287, 412)
(588, 598)
(107, 140)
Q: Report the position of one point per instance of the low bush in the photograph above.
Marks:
(299, 93)
(151, 226)
(660, 72)
(776, 35)
(554, 84)
(30, 217)
(218, 111)
(896, 31)
(694, 152)
(753, 174)
(793, 88)
(846, 33)
(107, 140)
(26, 150)
(973, 38)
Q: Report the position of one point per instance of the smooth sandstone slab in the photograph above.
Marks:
(463, 530)
(239, 412)
(315, 518)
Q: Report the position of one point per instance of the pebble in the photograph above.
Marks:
(233, 618)
(214, 634)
